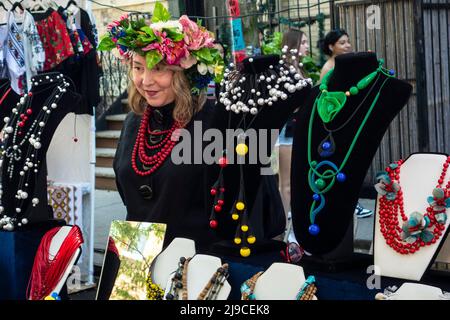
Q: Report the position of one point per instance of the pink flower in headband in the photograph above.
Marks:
(172, 51)
(195, 37)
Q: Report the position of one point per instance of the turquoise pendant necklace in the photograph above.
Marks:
(323, 175)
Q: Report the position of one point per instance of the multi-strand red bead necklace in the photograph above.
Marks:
(160, 151)
(409, 237)
(47, 270)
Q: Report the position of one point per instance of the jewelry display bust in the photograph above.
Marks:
(201, 274)
(368, 110)
(27, 134)
(281, 281)
(414, 291)
(416, 181)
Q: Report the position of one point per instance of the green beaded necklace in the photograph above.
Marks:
(330, 103)
(321, 181)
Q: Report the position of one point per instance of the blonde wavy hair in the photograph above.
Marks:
(186, 105)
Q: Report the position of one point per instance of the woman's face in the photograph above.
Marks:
(341, 46)
(304, 46)
(154, 85)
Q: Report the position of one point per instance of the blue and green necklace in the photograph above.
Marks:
(323, 173)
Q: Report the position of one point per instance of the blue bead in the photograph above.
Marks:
(391, 72)
(316, 197)
(326, 145)
(314, 229)
(341, 177)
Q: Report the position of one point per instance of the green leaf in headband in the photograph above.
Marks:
(173, 34)
(160, 13)
(106, 43)
(152, 58)
(204, 55)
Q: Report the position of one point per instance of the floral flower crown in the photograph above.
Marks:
(181, 42)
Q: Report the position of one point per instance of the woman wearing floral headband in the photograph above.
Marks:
(171, 63)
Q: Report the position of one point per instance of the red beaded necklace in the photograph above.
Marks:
(401, 238)
(150, 163)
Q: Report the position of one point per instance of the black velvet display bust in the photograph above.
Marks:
(38, 182)
(263, 203)
(335, 239)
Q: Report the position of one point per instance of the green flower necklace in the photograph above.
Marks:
(322, 175)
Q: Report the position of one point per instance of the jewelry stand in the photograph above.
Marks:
(167, 261)
(201, 268)
(414, 291)
(55, 245)
(281, 281)
(418, 177)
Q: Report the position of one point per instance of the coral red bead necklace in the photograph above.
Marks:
(416, 231)
(161, 150)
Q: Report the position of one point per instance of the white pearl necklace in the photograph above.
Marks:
(29, 145)
(267, 87)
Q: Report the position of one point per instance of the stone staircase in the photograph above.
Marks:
(106, 142)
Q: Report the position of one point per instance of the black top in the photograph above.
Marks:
(179, 195)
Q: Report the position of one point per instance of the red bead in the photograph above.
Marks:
(222, 190)
(29, 111)
(213, 192)
(220, 202)
(21, 124)
(217, 208)
(22, 116)
(223, 162)
(30, 94)
(213, 224)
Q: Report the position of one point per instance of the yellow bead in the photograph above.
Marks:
(240, 205)
(347, 93)
(235, 216)
(237, 240)
(49, 298)
(241, 149)
(245, 252)
(251, 239)
(244, 228)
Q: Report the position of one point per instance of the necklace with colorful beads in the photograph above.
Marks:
(323, 175)
(249, 93)
(419, 229)
(151, 147)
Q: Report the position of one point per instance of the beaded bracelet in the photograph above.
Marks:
(176, 284)
(216, 283)
(308, 289)
(154, 291)
(248, 287)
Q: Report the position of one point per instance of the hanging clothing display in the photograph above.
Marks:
(3, 35)
(55, 38)
(24, 52)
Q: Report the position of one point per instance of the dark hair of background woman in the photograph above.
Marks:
(330, 39)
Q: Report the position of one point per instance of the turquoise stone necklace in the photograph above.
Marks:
(323, 175)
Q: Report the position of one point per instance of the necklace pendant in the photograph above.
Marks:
(327, 146)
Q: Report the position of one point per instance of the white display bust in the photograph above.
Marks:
(418, 177)
(281, 281)
(415, 291)
(167, 261)
(55, 245)
(200, 270)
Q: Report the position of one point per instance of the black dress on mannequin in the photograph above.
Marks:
(335, 239)
(44, 85)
